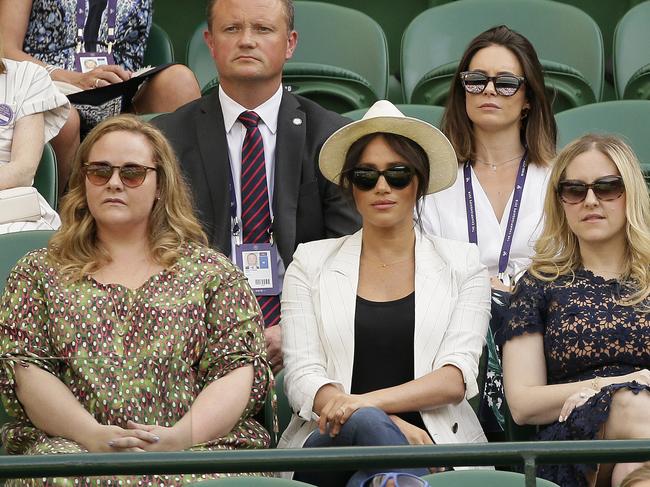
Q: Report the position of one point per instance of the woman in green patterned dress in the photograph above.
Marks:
(127, 333)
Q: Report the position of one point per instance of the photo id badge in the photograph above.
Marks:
(259, 264)
(87, 61)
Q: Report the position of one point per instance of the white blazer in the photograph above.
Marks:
(452, 311)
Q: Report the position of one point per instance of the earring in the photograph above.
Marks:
(524, 113)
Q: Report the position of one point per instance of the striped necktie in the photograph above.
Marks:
(255, 207)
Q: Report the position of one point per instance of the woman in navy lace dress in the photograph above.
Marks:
(577, 354)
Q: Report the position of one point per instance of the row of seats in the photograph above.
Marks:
(627, 118)
(351, 69)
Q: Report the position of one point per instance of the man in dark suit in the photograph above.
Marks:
(250, 40)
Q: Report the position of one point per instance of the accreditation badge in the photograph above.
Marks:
(259, 264)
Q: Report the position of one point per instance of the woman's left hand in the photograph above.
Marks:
(338, 409)
(170, 439)
(575, 400)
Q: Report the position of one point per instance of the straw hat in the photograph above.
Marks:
(383, 116)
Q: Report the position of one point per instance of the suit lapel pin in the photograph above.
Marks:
(297, 121)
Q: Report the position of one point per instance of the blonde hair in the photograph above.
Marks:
(557, 251)
(635, 476)
(172, 223)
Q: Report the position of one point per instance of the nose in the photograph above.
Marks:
(115, 181)
(247, 39)
(490, 88)
(590, 199)
(382, 185)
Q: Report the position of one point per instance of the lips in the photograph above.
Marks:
(383, 204)
(489, 105)
(592, 217)
(114, 201)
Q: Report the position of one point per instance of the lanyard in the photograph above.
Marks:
(470, 208)
(111, 20)
(236, 225)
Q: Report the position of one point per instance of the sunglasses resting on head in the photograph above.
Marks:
(365, 178)
(131, 174)
(607, 188)
(475, 83)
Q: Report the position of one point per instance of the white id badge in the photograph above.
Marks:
(259, 264)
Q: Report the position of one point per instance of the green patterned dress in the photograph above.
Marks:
(142, 354)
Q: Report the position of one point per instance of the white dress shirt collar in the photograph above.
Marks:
(268, 111)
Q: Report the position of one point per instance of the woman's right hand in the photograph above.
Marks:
(112, 439)
(97, 78)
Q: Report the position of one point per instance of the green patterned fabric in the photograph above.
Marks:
(141, 354)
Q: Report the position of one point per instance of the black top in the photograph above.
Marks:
(91, 29)
(383, 347)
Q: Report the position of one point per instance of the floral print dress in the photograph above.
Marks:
(142, 354)
(586, 334)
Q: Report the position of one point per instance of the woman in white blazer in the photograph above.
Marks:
(383, 329)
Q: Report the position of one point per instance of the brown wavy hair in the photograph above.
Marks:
(557, 251)
(3, 68)
(538, 131)
(76, 248)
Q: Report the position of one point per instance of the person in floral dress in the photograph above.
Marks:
(127, 333)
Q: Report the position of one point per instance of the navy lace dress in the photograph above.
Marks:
(586, 334)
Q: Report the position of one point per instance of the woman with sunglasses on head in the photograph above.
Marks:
(128, 333)
(382, 330)
(499, 120)
(576, 358)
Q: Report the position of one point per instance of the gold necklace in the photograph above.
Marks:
(384, 265)
(495, 165)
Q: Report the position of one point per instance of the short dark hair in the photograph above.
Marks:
(289, 10)
(411, 151)
(538, 129)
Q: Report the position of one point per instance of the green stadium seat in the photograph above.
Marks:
(179, 19)
(250, 482)
(428, 113)
(46, 179)
(481, 478)
(629, 119)
(632, 54)
(284, 409)
(348, 71)
(159, 47)
(15, 245)
(568, 43)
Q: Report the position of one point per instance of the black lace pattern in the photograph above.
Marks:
(586, 334)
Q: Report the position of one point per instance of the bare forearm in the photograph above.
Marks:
(218, 408)
(50, 405)
(438, 388)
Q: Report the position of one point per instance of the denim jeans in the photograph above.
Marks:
(365, 427)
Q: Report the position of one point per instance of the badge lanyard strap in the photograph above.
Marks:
(236, 224)
(470, 207)
(111, 20)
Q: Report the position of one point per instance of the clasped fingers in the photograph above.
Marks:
(574, 401)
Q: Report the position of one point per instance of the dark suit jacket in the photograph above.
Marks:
(306, 206)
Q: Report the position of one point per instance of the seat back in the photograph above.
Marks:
(632, 53)
(349, 70)
(15, 245)
(159, 47)
(284, 409)
(481, 478)
(628, 119)
(428, 113)
(567, 40)
(46, 179)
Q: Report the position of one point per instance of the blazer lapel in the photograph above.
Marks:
(339, 282)
(215, 158)
(432, 303)
(290, 142)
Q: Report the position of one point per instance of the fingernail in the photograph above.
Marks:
(111, 443)
(156, 438)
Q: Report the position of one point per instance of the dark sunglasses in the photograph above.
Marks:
(365, 178)
(400, 479)
(131, 174)
(475, 82)
(607, 188)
